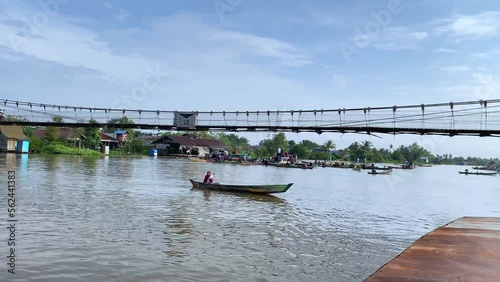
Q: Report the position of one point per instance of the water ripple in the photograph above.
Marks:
(137, 219)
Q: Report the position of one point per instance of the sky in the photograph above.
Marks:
(255, 55)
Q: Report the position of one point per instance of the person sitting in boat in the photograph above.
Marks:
(466, 171)
(209, 178)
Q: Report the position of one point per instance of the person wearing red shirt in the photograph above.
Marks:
(208, 178)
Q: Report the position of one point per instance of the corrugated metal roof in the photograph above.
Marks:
(120, 131)
(467, 249)
(107, 137)
(12, 131)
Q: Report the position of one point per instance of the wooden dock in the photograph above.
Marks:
(467, 249)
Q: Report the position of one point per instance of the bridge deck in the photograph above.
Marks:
(467, 249)
(472, 118)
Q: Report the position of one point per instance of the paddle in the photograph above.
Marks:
(215, 178)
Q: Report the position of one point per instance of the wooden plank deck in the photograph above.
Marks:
(467, 249)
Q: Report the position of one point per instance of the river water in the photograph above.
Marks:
(137, 219)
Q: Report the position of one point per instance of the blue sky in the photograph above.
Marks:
(254, 55)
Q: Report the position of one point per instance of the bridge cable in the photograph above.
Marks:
(366, 120)
(340, 117)
(344, 114)
(481, 119)
(291, 113)
(31, 109)
(298, 122)
(269, 120)
(210, 119)
(394, 108)
(452, 116)
(485, 115)
(423, 115)
(369, 117)
(248, 124)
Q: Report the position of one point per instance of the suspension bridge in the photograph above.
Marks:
(469, 118)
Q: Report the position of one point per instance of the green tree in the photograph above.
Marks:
(92, 137)
(52, 133)
(329, 145)
(114, 125)
(301, 151)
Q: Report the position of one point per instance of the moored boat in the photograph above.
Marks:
(302, 166)
(263, 189)
(380, 172)
(477, 173)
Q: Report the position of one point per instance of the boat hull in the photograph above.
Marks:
(261, 189)
(477, 173)
(379, 172)
(293, 166)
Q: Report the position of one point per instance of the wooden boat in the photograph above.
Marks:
(264, 189)
(380, 172)
(198, 160)
(401, 167)
(376, 167)
(477, 173)
(484, 168)
(293, 166)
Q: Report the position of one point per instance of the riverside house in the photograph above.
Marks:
(12, 139)
(187, 144)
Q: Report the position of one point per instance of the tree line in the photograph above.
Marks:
(305, 149)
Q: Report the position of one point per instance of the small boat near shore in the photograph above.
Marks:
(477, 173)
(380, 172)
(261, 189)
(199, 160)
(294, 166)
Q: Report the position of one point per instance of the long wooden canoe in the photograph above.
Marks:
(477, 173)
(380, 172)
(293, 166)
(264, 189)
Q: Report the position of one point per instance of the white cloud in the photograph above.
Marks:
(446, 50)
(118, 14)
(340, 81)
(487, 54)
(286, 53)
(470, 27)
(454, 69)
(420, 35)
(326, 18)
(202, 61)
(396, 38)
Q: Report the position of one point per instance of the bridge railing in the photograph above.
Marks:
(470, 115)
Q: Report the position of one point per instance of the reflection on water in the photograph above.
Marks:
(244, 196)
(138, 219)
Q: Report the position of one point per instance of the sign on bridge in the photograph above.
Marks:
(185, 120)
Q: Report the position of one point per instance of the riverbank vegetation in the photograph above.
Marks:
(87, 142)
